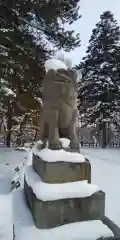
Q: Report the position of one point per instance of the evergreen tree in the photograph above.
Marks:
(99, 89)
(26, 29)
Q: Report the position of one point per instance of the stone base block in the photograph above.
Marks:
(61, 172)
(49, 214)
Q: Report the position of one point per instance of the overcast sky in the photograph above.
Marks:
(91, 11)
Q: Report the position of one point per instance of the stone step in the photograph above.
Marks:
(24, 227)
(58, 170)
(53, 208)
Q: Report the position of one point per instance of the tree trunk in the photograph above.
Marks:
(104, 135)
(9, 124)
(22, 127)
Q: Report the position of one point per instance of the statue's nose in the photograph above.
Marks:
(63, 90)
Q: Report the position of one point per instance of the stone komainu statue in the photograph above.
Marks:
(59, 114)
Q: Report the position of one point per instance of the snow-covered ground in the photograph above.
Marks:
(105, 174)
(8, 161)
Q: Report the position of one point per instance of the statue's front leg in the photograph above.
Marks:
(43, 133)
(54, 139)
(74, 141)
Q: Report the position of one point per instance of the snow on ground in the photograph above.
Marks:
(6, 227)
(106, 174)
(8, 161)
(25, 228)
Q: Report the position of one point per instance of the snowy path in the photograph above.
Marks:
(106, 174)
(6, 227)
(8, 161)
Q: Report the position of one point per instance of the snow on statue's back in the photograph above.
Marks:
(54, 64)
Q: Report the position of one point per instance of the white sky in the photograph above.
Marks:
(91, 11)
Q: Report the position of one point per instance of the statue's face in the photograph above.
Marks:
(66, 77)
(62, 77)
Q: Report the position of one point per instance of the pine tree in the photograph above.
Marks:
(48, 17)
(27, 28)
(99, 89)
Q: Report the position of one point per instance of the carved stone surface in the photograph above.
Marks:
(49, 214)
(60, 172)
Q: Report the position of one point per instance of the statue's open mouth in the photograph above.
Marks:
(61, 77)
(61, 81)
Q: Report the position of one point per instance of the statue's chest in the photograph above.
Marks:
(51, 91)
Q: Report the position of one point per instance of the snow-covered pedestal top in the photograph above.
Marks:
(50, 192)
(58, 166)
(49, 155)
(65, 142)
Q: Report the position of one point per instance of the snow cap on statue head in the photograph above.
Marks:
(58, 62)
(67, 61)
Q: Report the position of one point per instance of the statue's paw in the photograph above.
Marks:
(74, 145)
(55, 145)
(39, 145)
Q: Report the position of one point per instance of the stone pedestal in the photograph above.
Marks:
(61, 172)
(49, 214)
(71, 202)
